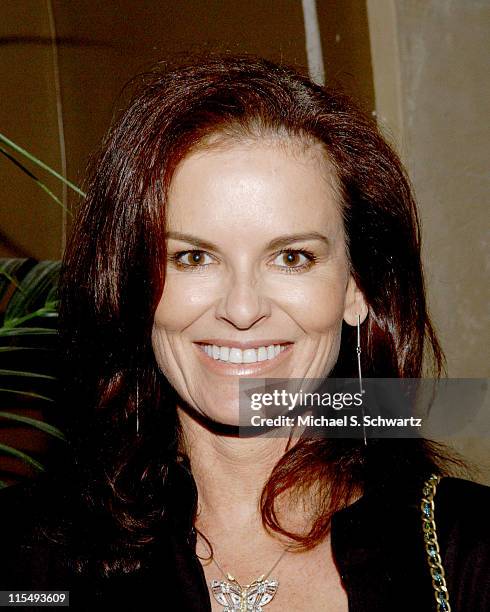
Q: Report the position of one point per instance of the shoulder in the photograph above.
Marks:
(457, 486)
(462, 511)
(463, 505)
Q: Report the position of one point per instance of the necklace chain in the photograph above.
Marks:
(432, 545)
(260, 578)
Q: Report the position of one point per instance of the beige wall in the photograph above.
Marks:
(433, 90)
(431, 70)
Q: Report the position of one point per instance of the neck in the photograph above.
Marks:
(230, 473)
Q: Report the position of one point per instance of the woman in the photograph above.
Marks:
(241, 221)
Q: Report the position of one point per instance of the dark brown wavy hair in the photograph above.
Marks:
(124, 487)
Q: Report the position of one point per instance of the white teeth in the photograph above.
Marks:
(236, 355)
(249, 356)
(262, 354)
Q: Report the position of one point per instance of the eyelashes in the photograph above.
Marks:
(311, 259)
(176, 259)
(194, 264)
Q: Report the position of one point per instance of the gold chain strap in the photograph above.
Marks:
(432, 545)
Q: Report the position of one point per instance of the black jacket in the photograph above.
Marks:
(377, 544)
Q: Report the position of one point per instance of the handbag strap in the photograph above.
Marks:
(432, 545)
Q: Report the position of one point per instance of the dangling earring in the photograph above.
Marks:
(137, 406)
(358, 351)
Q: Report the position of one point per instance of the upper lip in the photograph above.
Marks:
(243, 345)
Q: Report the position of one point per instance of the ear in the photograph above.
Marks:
(355, 303)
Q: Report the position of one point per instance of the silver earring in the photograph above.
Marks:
(137, 407)
(358, 351)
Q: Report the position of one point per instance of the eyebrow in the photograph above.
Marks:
(277, 243)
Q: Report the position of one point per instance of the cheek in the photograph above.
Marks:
(182, 302)
(317, 305)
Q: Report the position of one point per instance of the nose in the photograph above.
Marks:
(243, 304)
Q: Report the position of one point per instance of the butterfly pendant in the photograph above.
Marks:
(249, 598)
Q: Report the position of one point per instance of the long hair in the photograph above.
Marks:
(114, 273)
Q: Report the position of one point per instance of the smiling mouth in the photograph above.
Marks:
(235, 355)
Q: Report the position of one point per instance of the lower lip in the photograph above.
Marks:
(242, 369)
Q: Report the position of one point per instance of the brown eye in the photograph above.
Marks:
(292, 259)
(193, 259)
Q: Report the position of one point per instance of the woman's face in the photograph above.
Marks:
(257, 280)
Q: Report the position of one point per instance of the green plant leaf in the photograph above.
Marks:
(40, 312)
(26, 394)
(9, 450)
(39, 163)
(52, 297)
(43, 426)
(8, 271)
(3, 484)
(25, 374)
(34, 288)
(13, 349)
(27, 331)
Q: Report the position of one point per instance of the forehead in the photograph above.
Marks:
(254, 188)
